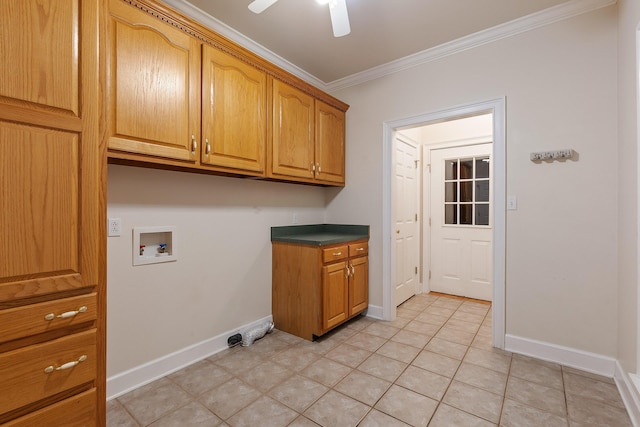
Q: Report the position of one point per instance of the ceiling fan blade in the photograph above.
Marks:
(258, 6)
(339, 18)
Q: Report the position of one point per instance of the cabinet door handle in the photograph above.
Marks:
(194, 144)
(347, 273)
(318, 168)
(66, 314)
(313, 168)
(207, 147)
(68, 365)
(337, 253)
(353, 270)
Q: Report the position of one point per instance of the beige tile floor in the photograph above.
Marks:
(434, 365)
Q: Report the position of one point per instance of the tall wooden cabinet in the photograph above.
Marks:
(52, 338)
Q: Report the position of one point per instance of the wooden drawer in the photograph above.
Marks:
(30, 372)
(335, 254)
(76, 411)
(358, 249)
(34, 319)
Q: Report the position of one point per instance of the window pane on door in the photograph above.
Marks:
(450, 169)
(482, 167)
(451, 192)
(450, 214)
(482, 191)
(466, 214)
(482, 214)
(466, 169)
(467, 189)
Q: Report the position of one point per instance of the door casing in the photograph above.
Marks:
(497, 108)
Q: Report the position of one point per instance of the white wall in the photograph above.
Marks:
(562, 247)
(560, 88)
(629, 18)
(222, 279)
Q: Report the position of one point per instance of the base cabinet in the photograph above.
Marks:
(316, 288)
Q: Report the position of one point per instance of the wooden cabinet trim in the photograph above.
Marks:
(205, 35)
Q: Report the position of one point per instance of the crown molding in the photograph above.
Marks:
(224, 30)
(527, 23)
(517, 26)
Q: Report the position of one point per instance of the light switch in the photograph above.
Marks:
(512, 203)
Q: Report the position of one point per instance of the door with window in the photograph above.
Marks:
(461, 221)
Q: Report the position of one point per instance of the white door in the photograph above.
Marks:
(405, 218)
(461, 221)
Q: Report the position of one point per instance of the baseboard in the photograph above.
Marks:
(583, 360)
(124, 382)
(628, 386)
(375, 312)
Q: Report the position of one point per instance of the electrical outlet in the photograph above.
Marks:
(114, 226)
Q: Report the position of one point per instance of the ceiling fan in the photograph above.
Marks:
(337, 10)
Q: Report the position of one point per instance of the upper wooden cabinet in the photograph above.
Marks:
(330, 148)
(292, 138)
(153, 84)
(234, 112)
(307, 138)
(51, 212)
(180, 96)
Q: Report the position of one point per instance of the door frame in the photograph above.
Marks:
(497, 108)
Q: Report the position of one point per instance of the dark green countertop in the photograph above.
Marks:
(319, 234)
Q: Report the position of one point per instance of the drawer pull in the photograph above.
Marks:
(359, 249)
(68, 365)
(337, 253)
(67, 314)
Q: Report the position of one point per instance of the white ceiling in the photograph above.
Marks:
(297, 35)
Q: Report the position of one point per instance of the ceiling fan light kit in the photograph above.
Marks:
(337, 10)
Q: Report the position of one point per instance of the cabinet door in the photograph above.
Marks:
(335, 294)
(329, 148)
(153, 86)
(50, 163)
(234, 105)
(292, 143)
(359, 285)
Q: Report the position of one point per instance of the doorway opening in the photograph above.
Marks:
(471, 210)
